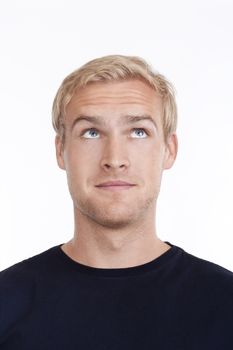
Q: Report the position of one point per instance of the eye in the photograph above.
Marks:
(92, 130)
(141, 130)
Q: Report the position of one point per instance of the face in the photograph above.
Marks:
(120, 139)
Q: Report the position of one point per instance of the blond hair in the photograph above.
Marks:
(115, 68)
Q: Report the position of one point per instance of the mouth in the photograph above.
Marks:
(115, 188)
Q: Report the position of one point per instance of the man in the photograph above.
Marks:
(115, 284)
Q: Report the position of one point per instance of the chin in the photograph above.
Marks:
(114, 224)
(113, 218)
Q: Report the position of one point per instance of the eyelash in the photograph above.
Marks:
(93, 129)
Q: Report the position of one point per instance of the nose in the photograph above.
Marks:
(115, 155)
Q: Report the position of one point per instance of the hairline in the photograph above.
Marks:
(111, 69)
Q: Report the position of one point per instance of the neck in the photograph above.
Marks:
(104, 247)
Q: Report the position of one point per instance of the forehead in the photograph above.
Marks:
(121, 97)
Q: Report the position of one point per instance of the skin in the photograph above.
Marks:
(115, 229)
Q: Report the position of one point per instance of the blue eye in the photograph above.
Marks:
(92, 130)
(140, 131)
(96, 131)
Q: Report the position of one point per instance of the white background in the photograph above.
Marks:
(190, 42)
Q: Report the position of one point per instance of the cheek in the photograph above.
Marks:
(80, 167)
(82, 152)
(152, 158)
(74, 157)
(151, 169)
(84, 159)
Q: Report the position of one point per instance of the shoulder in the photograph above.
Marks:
(26, 267)
(22, 276)
(207, 278)
(204, 292)
(19, 287)
(204, 268)
(20, 280)
(15, 275)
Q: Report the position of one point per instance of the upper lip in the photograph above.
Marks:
(115, 183)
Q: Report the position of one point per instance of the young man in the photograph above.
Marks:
(115, 284)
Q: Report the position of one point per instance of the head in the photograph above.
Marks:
(116, 97)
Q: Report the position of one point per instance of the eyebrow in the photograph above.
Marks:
(126, 119)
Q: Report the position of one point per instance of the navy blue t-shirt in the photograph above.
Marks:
(176, 301)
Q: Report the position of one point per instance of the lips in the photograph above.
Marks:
(115, 183)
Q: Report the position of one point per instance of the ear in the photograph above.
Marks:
(59, 152)
(171, 151)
